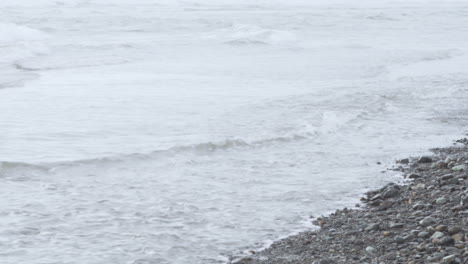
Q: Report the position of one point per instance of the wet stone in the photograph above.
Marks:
(391, 192)
(424, 159)
(440, 165)
(414, 176)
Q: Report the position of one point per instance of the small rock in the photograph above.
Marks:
(436, 256)
(454, 229)
(459, 168)
(446, 241)
(446, 177)
(441, 200)
(391, 192)
(440, 165)
(372, 227)
(399, 239)
(387, 233)
(424, 159)
(427, 221)
(420, 186)
(449, 259)
(403, 161)
(449, 159)
(424, 234)
(441, 228)
(396, 225)
(437, 235)
(414, 176)
(419, 206)
(376, 197)
(370, 250)
(421, 247)
(458, 237)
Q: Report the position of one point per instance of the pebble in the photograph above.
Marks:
(414, 176)
(428, 221)
(436, 256)
(441, 228)
(325, 261)
(399, 239)
(452, 230)
(440, 165)
(441, 200)
(449, 259)
(372, 227)
(391, 192)
(424, 234)
(396, 225)
(424, 159)
(459, 168)
(458, 237)
(437, 235)
(403, 161)
(370, 250)
(420, 186)
(446, 241)
(387, 233)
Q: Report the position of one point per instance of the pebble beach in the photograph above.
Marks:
(423, 219)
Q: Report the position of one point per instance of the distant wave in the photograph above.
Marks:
(18, 43)
(240, 34)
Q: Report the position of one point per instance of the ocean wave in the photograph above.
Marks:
(199, 149)
(252, 35)
(331, 122)
(18, 43)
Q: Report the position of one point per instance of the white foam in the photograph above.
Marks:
(18, 43)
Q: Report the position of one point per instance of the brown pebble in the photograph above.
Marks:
(458, 237)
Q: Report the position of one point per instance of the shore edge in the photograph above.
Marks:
(423, 221)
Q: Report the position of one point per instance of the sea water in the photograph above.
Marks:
(190, 131)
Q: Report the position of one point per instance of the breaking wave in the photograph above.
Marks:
(199, 149)
(331, 122)
(18, 43)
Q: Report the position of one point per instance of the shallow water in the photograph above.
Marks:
(187, 132)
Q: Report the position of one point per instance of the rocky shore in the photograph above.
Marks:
(422, 221)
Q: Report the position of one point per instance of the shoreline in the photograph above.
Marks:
(423, 221)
